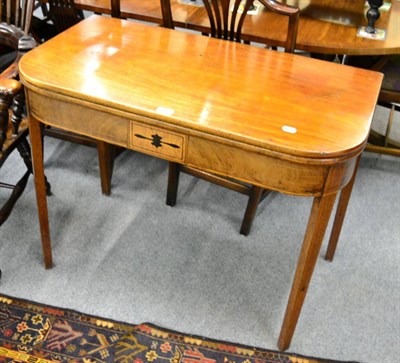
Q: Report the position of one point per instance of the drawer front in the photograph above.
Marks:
(158, 142)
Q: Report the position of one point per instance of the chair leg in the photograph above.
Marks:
(18, 189)
(389, 125)
(251, 209)
(24, 150)
(173, 182)
(106, 164)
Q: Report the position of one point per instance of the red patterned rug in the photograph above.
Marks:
(36, 333)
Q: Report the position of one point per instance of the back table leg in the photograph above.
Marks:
(340, 213)
(35, 132)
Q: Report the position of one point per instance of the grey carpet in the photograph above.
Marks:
(130, 257)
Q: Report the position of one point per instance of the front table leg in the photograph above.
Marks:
(317, 223)
(35, 132)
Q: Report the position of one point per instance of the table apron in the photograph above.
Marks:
(248, 163)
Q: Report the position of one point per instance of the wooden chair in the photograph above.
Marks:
(389, 97)
(14, 39)
(226, 20)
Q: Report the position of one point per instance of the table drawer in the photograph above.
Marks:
(156, 141)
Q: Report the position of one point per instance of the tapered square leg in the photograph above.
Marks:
(317, 223)
(106, 164)
(35, 131)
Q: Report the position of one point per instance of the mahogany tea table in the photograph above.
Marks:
(280, 121)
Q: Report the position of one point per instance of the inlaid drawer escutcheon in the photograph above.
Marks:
(158, 142)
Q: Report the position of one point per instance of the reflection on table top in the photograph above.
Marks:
(326, 26)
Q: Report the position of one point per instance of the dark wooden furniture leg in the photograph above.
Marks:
(173, 182)
(340, 214)
(18, 189)
(35, 129)
(106, 163)
(251, 209)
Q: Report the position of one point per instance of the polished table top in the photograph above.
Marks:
(277, 120)
(326, 26)
(254, 80)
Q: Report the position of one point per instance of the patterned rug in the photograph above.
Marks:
(36, 333)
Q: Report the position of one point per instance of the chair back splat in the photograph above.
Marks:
(17, 13)
(63, 14)
(226, 19)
